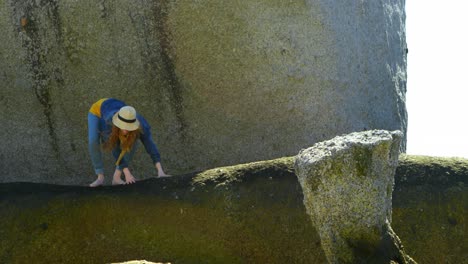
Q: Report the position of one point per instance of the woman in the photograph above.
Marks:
(118, 126)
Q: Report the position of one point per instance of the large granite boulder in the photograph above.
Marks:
(347, 184)
(221, 82)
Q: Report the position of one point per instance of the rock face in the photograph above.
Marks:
(431, 196)
(250, 213)
(220, 82)
(347, 184)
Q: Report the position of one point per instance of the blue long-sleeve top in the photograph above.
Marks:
(111, 106)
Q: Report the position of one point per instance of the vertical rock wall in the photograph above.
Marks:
(220, 83)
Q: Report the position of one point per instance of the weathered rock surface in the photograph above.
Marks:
(221, 82)
(430, 208)
(347, 184)
(251, 213)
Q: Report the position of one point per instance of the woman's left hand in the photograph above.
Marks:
(129, 179)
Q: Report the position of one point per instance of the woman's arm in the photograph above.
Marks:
(150, 146)
(152, 150)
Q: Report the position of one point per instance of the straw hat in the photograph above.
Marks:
(126, 118)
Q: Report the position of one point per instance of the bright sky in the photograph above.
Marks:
(437, 95)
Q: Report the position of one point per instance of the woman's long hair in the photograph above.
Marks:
(126, 144)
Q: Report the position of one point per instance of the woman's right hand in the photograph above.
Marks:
(161, 172)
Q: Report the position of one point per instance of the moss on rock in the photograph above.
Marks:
(430, 208)
(258, 217)
(238, 214)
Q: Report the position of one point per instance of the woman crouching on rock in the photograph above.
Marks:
(119, 126)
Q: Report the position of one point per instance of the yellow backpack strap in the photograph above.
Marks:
(122, 153)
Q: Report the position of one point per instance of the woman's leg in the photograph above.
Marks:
(117, 177)
(94, 148)
(123, 167)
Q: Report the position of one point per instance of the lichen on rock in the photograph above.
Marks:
(249, 213)
(347, 184)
